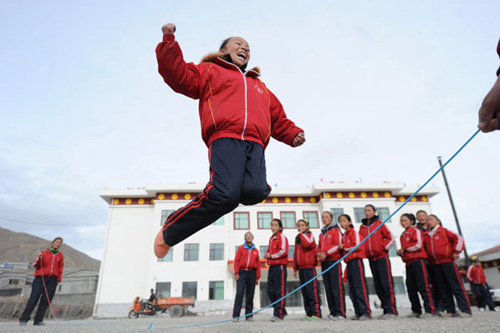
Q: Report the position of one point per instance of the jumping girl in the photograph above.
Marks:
(417, 277)
(277, 259)
(304, 261)
(377, 251)
(329, 253)
(358, 291)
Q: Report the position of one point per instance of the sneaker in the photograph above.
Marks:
(40, 323)
(445, 315)
(314, 318)
(22, 323)
(427, 315)
(364, 317)
(413, 315)
(495, 309)
(235, 320)
(354, 318)
(274, 319)
(388, 316)
(481, 309)
(306, 318)
(159, 247)
(249, 319)
(338, 318)
(463, 315)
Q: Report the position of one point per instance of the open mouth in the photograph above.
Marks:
(242, 56)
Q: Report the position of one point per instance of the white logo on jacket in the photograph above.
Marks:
(260, 91)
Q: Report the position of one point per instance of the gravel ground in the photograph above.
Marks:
(479, 322)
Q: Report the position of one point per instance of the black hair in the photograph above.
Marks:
(421, 211)
(57, 239)
(437, 218)
(372, 206)
(348, 219)
(224, 43)
(410, 217)
(327, 211)
(279, 223)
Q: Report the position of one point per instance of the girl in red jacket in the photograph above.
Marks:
(377, 251)
(329, 253)
(49, 267)
(277, 259)
(304, 261)
(477, 281)
(247, 275)
(358, 291)
(443, 248)
(417, 277)
(238, 116)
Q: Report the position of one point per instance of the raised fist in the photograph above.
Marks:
(168, 28)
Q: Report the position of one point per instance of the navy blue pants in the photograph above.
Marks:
(276, 289)
(358, 291)
(310, 292)
(384, 284)
(334, 288)
(448, 283)
(237, 175)
(483, 296)
(245, 286)
(438, 280)
(417, 281)
(38, 293)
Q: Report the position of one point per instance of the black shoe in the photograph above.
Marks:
(41, 323)
(22, 323)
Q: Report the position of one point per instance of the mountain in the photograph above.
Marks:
(22, 247)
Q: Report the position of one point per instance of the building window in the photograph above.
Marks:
(14, 282)
(168, 257)
(336, 212)
(265, 220)
(191, 252)
(220, 221)
(359, 214)
(165, 213)
(288, 220)
(263, 250)
(383, 213)
(217, 251)
(312, 218)
(241, 221)
(189, 289)
(216, 290)
(162, 289)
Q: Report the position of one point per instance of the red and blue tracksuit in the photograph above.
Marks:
(377, 251)
(276, 279)
(247, 268)
(238, 116)
(477, 281)
(304, 261)
(441, 244)
(417, 275)
(358, 291)
(329, 241)
(49, 266)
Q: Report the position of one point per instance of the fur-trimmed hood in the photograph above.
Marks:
(212, 56)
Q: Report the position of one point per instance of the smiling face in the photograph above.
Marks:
(432, 221)
(57, 243)
(248, 237)
(238, 49)
(422, 217)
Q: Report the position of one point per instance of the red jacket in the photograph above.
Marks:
(247, 259)
(475, 274)
(441, 243)
(278, 250)
(305, 253)
(378, 245)
(412, 243)
(232, 104)
(329, 241)
(49, 264)
(350, 239)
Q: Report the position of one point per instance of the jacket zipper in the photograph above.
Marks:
(246, 104)
(249, 254)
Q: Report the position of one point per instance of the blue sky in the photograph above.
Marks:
(380, 87)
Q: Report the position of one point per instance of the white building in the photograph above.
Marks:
(202, 264)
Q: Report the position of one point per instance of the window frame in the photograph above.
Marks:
(234, 220)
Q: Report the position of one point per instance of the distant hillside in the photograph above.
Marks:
(21, 247)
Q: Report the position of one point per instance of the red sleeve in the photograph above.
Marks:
(258, 265)
(38, 261)
(332, 246)
(182, 77)
(61, 268)
(236, 263)
(307, 241)
(457, 242)
(387, 237)
(295, 261)
(282, 128)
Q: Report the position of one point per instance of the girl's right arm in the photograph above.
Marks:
(182, 77)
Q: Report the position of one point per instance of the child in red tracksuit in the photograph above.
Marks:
(304, 261)
(443, 248)
(247, 275)
(477, 281)
(329, 253)
(377, 251)
(358, 291)
(417, 277)
(277, 259)
(238, 116)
